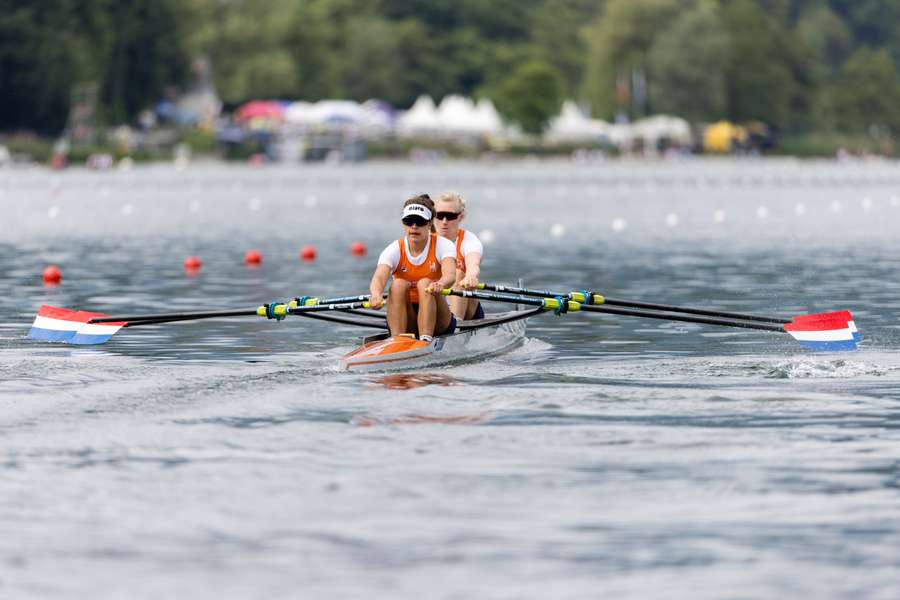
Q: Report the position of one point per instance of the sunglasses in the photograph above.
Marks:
(414, 220)
(446, 216)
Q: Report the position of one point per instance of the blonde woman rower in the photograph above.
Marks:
(449, 212)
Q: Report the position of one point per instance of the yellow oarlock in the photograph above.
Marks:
(554, 304)
(280, 310)
(580, 297)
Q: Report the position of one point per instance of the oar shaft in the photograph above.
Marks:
(693, 311)
(681, 318)
(209, 314)
(572, 306)
(135, 320)
(579, 297)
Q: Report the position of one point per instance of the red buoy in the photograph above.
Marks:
(253, 257)
(192, 263)
(308, 252)
(358, 249)
(52, 275)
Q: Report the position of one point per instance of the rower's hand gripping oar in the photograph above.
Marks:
(55, 324)
(820, 332)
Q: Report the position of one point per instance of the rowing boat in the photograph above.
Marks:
(473, 341)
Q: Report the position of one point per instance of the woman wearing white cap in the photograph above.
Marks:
(450, 210)
(423, 264)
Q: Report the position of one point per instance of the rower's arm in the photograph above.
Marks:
(473, 269)
(448, 272)
(376, 286)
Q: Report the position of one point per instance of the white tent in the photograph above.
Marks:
(457, 116)
(421, 119)
(487, 118)
(299, 113)
(371, 118)
(338, 112)
(460, 116)
(378, 116)
(652, 129)
(572, 125)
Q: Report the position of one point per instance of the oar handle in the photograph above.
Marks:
(314, 301)
(292, 309)
(545, 303)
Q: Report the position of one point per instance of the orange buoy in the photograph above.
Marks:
(253, 257)
(192, 263)
(308, 253)
(52, 275)
(358, 249)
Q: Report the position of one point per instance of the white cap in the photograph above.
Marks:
(417, 210)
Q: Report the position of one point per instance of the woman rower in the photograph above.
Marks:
(450, 210)
(422, 264)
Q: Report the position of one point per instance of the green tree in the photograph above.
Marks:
(531, 94)
(312, 39)
(45, 49)
(687, 66)
(422, 64)
(826, 35)
(618, 42)
(372, 61)
(827, 42)
(247, 44)
(758, 77)
(558, 37)
(147, 54)
(867, 93)
(873, 22)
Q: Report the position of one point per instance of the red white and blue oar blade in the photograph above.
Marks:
(825, 332)
(55, 324)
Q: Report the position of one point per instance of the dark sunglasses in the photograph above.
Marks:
(446, 216)
(414, 220)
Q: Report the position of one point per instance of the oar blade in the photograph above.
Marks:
(95, 333)
(825, 332)
(56, 324)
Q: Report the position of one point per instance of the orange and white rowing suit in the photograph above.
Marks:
(466, 243)
(413, 268)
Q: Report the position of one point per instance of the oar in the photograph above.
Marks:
(826, 331)
(57, 324)
(592, 298)
(313, 301)
(306, 302)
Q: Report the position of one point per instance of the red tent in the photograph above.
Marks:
(260, 109)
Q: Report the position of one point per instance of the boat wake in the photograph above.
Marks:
(805, 368)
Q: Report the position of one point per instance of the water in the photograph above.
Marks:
(607, 456)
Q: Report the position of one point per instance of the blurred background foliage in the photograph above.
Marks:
(797, 65)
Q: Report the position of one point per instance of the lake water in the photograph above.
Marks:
(606, 457)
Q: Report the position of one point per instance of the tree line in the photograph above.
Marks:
(796, 65)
